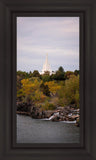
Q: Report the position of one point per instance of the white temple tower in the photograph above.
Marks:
(46, 66)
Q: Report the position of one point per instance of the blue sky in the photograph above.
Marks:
(57, 36)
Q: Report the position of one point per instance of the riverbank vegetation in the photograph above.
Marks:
(48, 91)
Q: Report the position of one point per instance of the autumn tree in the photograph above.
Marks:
(68, 74)
(69, 94)
(53, 87)
(30, 91)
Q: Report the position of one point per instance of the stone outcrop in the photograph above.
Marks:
(37, 113)
(23, 107)
(68, 113)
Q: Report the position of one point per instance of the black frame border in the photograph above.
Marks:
(8, 12)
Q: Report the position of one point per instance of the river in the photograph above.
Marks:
(31, 130)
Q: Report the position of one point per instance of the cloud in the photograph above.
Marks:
(57, 36)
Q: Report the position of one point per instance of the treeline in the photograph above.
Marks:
(48, 91)
(59, 75)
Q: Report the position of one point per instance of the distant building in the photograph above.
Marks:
(46, 67)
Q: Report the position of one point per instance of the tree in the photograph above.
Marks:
(46, 78)
(76, 72)
(68, 74)
(30, 74)
(53, 76)
(20, 75)
(53, 87)
(45, 89)
(46, 73)
(69, 94)
(36, 74)
(30, 91)
(61, 69)
(23, 74)
(59, 75)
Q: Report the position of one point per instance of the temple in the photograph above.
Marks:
(46, 67)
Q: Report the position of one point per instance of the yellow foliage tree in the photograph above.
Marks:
(31, 91)
(53, 87)
(30, 86)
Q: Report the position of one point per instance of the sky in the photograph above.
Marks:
(57, 36)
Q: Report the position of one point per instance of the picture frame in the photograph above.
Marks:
(52, 80)
(9, 10)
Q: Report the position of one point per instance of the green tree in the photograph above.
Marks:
(59, 75)
(76, 72)
(46, 78)
(61, 69)
(36, 74)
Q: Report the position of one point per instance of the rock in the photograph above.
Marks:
(38, 114)
(23, 107)
(48, 114)
(75, 116)
(77, 122)
(55, 118)
(62, 114)
(71, 119)
(68, 113)
(66, 119)
(23, 113)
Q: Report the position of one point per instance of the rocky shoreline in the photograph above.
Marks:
(68, 113)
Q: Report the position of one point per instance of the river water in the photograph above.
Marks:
(31, 130)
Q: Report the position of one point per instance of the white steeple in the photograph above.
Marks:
(46, 66)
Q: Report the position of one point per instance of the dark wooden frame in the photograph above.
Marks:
(9, 9)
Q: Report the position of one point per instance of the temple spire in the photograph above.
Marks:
(46, 59)
(46, 66)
